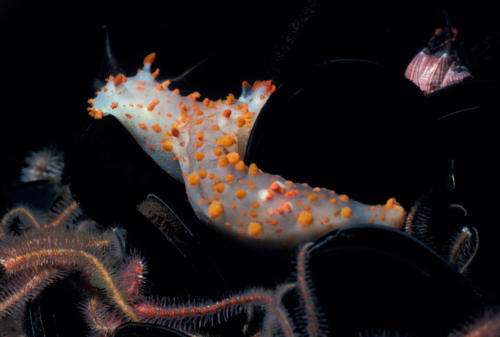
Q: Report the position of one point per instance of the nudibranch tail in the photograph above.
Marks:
(202, 142)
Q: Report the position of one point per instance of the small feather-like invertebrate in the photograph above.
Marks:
(463, 248)
(46, 164)
(418, 219)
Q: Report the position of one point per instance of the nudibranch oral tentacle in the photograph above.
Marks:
(203, 143)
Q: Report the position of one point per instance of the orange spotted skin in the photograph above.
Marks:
(201, 142)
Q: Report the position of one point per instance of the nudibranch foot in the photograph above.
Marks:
(203, 142)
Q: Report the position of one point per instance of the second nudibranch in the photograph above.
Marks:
(202, 142)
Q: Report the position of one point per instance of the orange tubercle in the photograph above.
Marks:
(165, 84)
(156, 128)
(149, 59)
(119, 79)
(193, 179)
(240, 194)
(226, 141)
(346, 212)
(153, 104)
(305, 218)
(167, 146)
(254, 228)
(226, 113)
(199, 156)
(253, 170)
(223, 161)
(233, 157)
(215, 209)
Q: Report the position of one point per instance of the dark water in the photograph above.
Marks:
(344, 64)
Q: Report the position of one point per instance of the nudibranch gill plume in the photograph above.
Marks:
(202, 142)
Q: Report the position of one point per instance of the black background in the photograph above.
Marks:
(52, 53)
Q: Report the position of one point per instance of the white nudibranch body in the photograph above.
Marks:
(203, 143)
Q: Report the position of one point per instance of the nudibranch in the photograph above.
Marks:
(202, 142)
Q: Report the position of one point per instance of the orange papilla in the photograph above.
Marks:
(305, 218)
(193, 179)
(149, 59)
(156, 128)
(223, 161)
(269, 195)
(119, 79)
(240, 194)
(253, 169)
(275, 187)
(285, 207)
(233, 157)
(199, 156)
(165, 84)
(98, 114)
(167, 146)
(240, 166)
(153, 104)
(193, 96)
(344, 198)
(230, 100)
(312, 197)
(202, 174)
(215, 209)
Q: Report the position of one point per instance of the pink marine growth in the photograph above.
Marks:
(437, 65)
